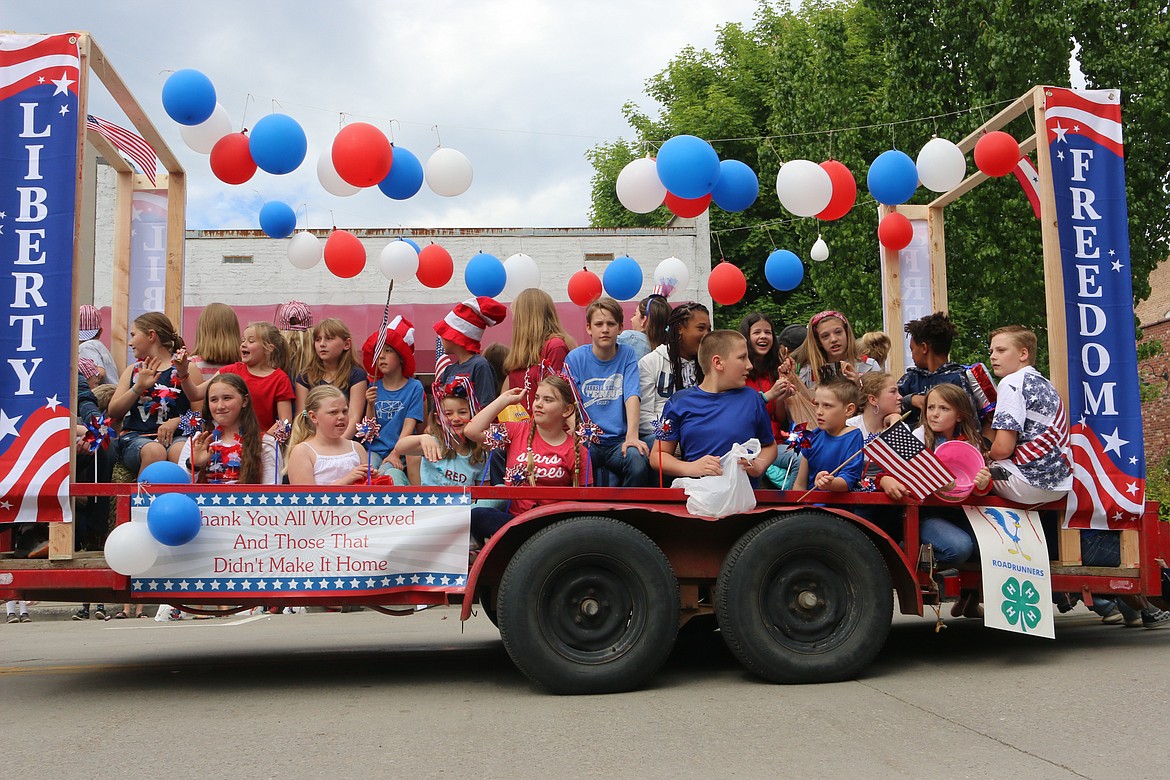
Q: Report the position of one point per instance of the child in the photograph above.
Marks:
(217, 339)
(395, 397)
(89, 329)
(150, 396)
(319, 451)
(830, 351)
(542, 451)
(1030, 424)
(461, 332)
(880, 394)
(766, 355)
(294, 320)
(17, 611)
(834, 442)
(647, 331)
(876, 346)
(332, 363)
(539, 342)
(930, 348)
(671, 366)
(262, 369)
(607, 376)
(706, 420)
(230, 449)
(449, 458)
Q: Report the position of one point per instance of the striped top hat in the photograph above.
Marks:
(468, 320)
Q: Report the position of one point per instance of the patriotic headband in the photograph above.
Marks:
(826, 315)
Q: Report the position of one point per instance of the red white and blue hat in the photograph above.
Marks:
(468, 320)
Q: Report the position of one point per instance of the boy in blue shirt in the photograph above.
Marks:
(834, 442)
(394, 397)
(706, 420)
(606, 374)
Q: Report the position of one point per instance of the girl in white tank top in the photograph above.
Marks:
(319, 453)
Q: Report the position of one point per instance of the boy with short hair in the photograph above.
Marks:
(461, 332)
(930, 348)
(394, 397)
(834, 442)
(1030, 426)
(606, 374)
(706, 420)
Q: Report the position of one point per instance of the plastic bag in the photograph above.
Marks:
(726, 494)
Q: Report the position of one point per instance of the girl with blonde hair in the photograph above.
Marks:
(538, 340)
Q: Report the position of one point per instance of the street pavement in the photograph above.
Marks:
(362, 694)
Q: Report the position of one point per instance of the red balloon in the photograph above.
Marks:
(362, 154)
(231, 161)
(996, 153)
(844, 190)
(687, 208)
(726, 284)
(435, 266)
(895, 231)
(584, 287)
(344, 254)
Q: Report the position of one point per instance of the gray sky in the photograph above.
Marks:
(522, 87)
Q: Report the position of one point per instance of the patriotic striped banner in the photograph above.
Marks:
(128, 143)
(898, 451)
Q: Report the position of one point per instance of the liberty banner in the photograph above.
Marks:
(148, 253)
(38, 172)
(1017, 581)
(314, 543)
(1088, 177)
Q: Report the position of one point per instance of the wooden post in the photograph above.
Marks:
(120, 302)
(176, 238)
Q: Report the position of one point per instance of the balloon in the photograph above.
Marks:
(131, 549)
(362, 154)
(895, 231)
(892, 178)
(584, 287)
(278, 144)
(804, 188)
(405, 178)
(188, 97)
(623, 278)
(278, 219)
(687, 208)
(844, 191)
(345, 257)
(688, 166)
(726, 284)
(201, 138)
(485, 275)
(231, 160)
(671, 276)
(304, 251)
(996, 153)
(435, 266)
(173, 519)
(448, 172)
(783, 270)
(417, 248)
(163, 472)
(941, 165)
(638, 187)
(737, 188)
(398, 261)
(327, 175)
(523, 273)
(819, 251)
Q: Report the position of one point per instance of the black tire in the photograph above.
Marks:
(487, 605)
(588, 605)
(804, 598)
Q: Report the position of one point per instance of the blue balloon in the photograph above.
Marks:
(783, 270)
(622, 278)
(278, 144)
(892, 178)
(278, 219)
(405, 177)
(173, 519)
(737, 188)
(688, 166)
(188, 97)
(485, 275)
(163, 472)
(413, 244)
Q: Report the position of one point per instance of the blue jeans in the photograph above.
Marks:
(953, 543)
(633, 468)
(485, 521)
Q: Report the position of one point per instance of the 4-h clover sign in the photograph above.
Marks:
(1019, 604)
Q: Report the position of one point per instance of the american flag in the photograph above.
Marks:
(35, 473)
(442, 359)
(129, 143)
(907, 460)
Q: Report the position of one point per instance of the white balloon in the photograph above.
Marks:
(448, 172)
(131, 549)
(671, 276)
(398, 261)
(330, 180)
(202, 137)
(638, 186)
(522, 273)
(305, 250)
(819, 251)
(804, 188)
(941, 165)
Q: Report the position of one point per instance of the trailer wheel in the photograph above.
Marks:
(588, 605)
(804, 598)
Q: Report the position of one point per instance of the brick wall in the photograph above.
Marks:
(1156, 412)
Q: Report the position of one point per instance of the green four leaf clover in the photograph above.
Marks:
(1019, 603)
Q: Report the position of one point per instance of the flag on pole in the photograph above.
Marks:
(898, 451)
(442, 359)
(128, 143)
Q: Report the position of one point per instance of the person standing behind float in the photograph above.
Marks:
(294, 320)
(89, 329)
(831, 352)
(333, 363)
(647, 331)
(217, 339)
(538, 340)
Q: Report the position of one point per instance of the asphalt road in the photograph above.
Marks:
(350, 695)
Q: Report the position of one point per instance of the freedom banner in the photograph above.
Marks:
(313, 543)
(1017, 581)
(1088, 177)
(38, 171)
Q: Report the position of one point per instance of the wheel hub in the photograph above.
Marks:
(587, 610)
(804, 600)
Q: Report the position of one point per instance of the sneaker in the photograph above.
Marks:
(1113, 616)
(1134, 621)
(12, 618)
(24, 618)
(100, 612)
(83, 614)
(1151, 618)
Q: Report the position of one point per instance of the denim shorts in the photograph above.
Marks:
(128, 448)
